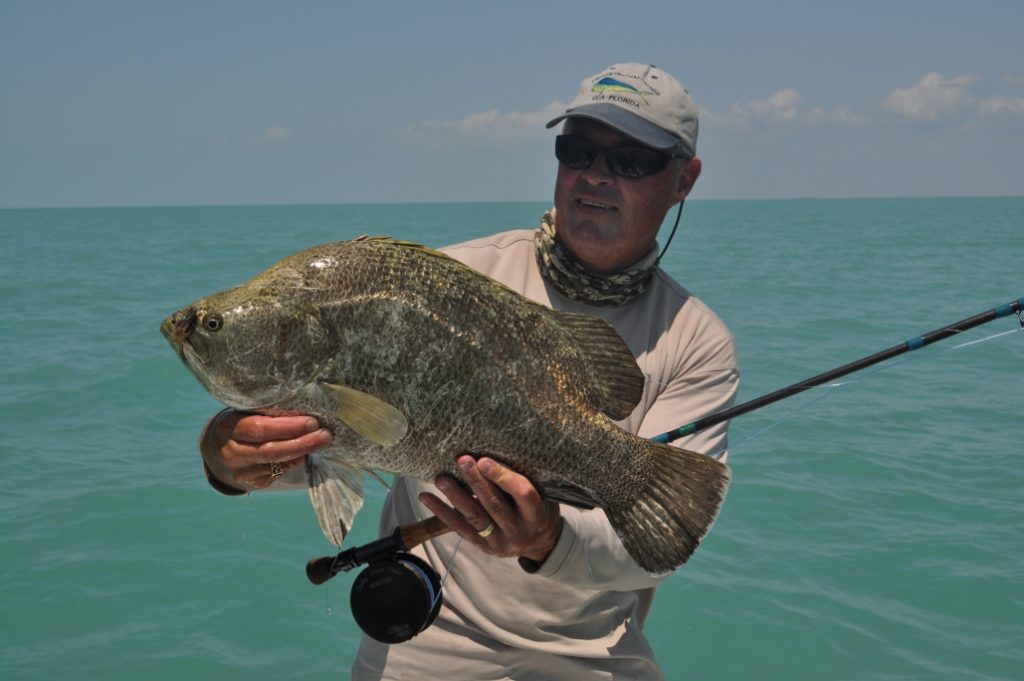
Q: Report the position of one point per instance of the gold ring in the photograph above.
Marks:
(487, 531)
(276, 470)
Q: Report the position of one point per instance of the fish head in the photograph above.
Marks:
(250, 348)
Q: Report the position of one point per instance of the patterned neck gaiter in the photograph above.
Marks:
(575, 282)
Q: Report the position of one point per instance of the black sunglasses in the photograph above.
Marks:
(628, 160)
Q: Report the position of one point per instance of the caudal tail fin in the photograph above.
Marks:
(663, 527)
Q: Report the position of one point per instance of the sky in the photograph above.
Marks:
(141, 103)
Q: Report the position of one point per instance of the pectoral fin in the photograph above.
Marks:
(370, 416)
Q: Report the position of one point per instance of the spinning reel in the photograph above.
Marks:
(398, 595)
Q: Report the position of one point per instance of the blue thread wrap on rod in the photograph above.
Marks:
(1009, 308)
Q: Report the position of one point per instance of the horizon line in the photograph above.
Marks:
(482, 201)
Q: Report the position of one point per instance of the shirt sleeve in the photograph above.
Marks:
(589, 555)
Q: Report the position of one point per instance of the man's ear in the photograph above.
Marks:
(688, 178)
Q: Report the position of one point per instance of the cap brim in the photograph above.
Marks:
(629, 124)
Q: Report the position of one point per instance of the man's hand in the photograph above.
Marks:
(249, 452)
(502, 513)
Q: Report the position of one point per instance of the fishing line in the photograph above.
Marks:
(246, 516)
(447, 571)
(992, 337)
(425, 579)
(791, 414)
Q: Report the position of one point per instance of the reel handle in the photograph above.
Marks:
(405, 537)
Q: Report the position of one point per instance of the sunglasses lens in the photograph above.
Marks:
(635, 161)
(575, 152)
(626, 161)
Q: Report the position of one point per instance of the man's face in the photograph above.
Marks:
(609, 222)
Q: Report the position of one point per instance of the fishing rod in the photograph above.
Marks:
(398, 595)
(1014, 306)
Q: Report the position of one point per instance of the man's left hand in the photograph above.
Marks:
(501, 513)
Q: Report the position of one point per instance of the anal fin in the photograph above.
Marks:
(567, 493)
(336, 491)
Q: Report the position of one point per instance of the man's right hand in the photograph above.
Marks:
(249, 452)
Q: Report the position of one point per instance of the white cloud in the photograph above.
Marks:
(1002, 105)
(491, 126)
(843, 116)
(274, 133)
(933, 97)
(780, 109)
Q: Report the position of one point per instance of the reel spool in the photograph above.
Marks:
(395, 598)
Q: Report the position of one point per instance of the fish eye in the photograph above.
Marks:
(213, 322)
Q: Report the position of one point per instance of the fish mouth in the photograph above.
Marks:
(178, 330)
(180, 325)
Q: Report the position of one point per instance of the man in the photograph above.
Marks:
(574, 603)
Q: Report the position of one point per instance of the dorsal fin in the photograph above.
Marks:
(616, 383)
(412, 245)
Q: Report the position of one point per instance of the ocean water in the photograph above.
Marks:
(874, 530)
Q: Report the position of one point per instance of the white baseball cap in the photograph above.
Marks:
(642, 102)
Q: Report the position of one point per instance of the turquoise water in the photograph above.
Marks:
(875, 534)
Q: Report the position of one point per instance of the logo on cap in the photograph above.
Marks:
(608, 84)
